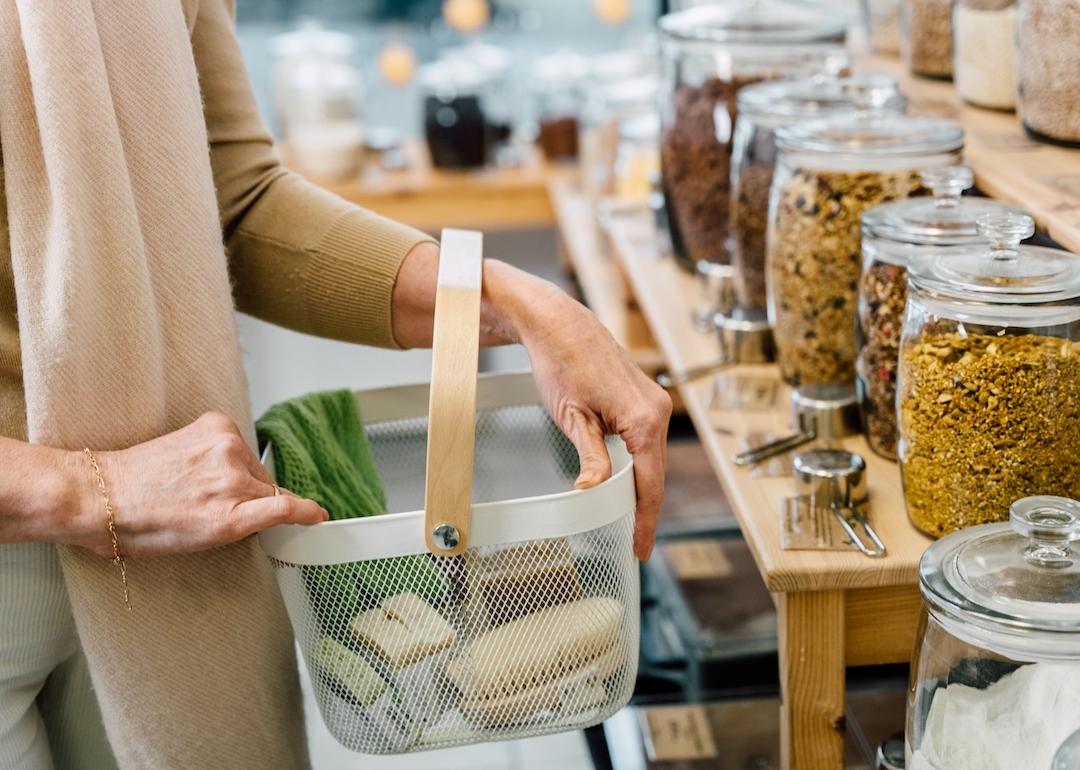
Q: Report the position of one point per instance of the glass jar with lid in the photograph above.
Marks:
(995, 682)
(557, 82)
(606, 109)
(883, 18)
(926, 38)
(708, 54)
(497, 95)
(893, 235)
(988, 391)
(637, 158)
(455, 124)
(984, 43)
(763, 108)
(828, 173)
(1048, 58)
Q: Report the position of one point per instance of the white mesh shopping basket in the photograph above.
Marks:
(498, 603)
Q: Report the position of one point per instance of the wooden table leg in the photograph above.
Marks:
(812, 680)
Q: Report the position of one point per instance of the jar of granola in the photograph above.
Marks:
(893, 235)
(829, 173)
(763, 108)
(708, 53)
(989, 382)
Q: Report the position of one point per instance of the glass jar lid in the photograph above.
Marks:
(1020, 579)
(946, 219)
(819, 97)
(892, 136)
(768, 22)
(564, 69)
(1003, 272)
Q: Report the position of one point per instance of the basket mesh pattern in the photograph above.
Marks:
(508, 641)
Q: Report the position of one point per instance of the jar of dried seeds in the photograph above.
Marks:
(708, 53)
(893, 236)
(762, 109)
(989, 383)
(1048, 60)
(829, 173)
(926, 38)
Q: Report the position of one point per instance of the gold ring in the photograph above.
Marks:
(277, 490)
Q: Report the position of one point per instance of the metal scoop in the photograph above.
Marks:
(820, 412)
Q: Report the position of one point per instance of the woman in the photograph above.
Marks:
(122, 398)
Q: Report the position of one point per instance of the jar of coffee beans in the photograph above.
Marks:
(828, 173)
(708, 53)
(1048, 60)
(893, 236)
(989, 383)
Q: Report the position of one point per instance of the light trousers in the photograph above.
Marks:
(49, 717)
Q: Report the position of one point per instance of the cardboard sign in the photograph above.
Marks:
(678, 732)
(697, 559)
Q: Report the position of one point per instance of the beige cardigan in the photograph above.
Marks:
(298, 256)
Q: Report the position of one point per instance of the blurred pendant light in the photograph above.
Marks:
(397, 63)
(466, 16)
(613, 12)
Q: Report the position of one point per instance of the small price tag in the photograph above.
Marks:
(697, 559)
(678, 732)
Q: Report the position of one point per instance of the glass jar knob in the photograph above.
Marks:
(948, 184)
(1004, 231)
(1051, 524)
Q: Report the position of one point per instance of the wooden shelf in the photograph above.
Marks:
(665, 294)
(1008, 165)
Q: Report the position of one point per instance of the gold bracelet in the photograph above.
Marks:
(118, 558)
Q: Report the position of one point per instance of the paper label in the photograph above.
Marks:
(678, 732)
(697, 559)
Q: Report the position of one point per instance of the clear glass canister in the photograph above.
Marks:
(1048, 60)
(926, 38)
(995, 679)
(829, 173)
(893, 235)
(763, 108)
(883, 17)
(606, 110)
(989, 386)
(455, 124)
(984, 43)
(558, 86)
(708, 54)
(497, 96)
(637, 159)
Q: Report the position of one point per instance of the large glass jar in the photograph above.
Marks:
(989, 383)
(763, 108)
(708, 53)
(829, 173)
(1048, 60)
(557, 81)
(984, 43)
(893, 235)
(497, 96)
(456, 126)
(606, 110)
(926, 37)
(883, 17)
(995, 679)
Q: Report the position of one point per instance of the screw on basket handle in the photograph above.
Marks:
(452, 406)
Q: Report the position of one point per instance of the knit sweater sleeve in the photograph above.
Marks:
(298, 256)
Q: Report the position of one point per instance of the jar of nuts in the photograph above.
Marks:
(989, 382)
(1047, 60)
(926, 38)
(762, 109)
(828, 173)
(893, 235)
(708, 53)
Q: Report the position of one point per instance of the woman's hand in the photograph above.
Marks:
(589, 384)
(193, 489)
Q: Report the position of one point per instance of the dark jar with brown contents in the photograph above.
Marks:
(830, 172)
(456, 126)
(558, 81)
(709, 53)
(989, 382)
(763, 108)
(893, 236)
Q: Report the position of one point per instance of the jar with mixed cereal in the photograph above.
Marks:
(828, 174)
(989, 382)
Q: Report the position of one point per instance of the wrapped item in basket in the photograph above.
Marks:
(484, 539)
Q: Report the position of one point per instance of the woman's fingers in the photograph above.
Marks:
(587, 435)
(253, 516)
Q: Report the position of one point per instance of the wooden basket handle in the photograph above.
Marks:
(452, 407)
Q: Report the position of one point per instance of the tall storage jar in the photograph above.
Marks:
(1048, 60)
(984, 47)
(989, 383)
(828, 173)
(893, 235)
(763, 108)
(995, 681)
(926, 38)
(883, 18)
(708, 54)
